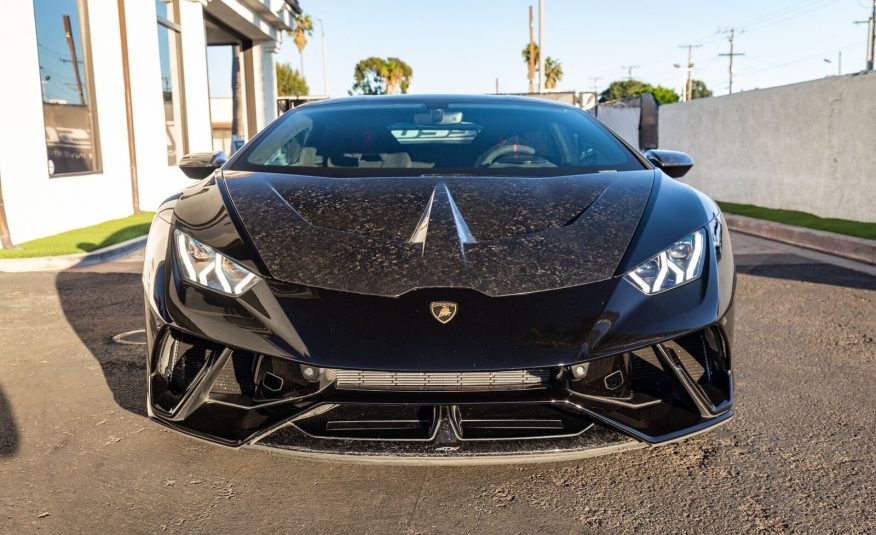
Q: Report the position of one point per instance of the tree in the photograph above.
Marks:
(525, 54)
(623, 89)
(699, 89)
(398, 76)
(290, 82)
(665, 95)
(552, 67)
(238, 115)
(302, 28)
(631, 88)
(379, 76)
(553, 72)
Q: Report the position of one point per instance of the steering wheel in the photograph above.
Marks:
(486, 159)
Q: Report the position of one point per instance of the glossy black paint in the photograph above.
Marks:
(200, 165)
(535, 265)
(673, 163)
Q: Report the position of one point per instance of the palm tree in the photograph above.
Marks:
(397, 74)
(525, 54)
(302, 28)
(553, 72)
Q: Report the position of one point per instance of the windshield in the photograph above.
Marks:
(405, 139)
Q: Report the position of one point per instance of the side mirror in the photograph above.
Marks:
(200, 165)
(673, 163)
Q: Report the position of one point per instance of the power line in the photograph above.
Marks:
(789, 12)
(629, 69)
(798, 60)
(760, 22)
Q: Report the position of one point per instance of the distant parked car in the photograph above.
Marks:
(439, 278)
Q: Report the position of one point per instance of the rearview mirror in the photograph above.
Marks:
(200, 165)
(673, 163)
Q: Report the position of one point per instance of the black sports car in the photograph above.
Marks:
(443, 278)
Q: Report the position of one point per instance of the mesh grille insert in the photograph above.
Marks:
(439, 381)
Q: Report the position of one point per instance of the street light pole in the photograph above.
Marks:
(324, 74)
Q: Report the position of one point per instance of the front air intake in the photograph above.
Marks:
(439, 381)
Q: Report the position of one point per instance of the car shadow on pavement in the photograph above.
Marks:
(8, 430)
(791, 267)
(99, 306)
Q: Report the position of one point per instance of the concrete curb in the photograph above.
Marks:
(59, 263)
(818, 240)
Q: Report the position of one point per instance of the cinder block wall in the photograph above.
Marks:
(808, 146)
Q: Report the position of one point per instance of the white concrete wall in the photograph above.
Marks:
(622, 121)
(808, 146)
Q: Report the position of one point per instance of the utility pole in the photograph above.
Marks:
(839, 63)
(688, 85)
(871, 35)
(871, 43)
(69, 35)
(732, 38)
(541, 49)
(595, 80)
(629, 69)
(322, 44)
(531, 52)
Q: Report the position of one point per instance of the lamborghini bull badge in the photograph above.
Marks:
(443, 311)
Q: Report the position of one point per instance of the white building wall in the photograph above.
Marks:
(37, 205)
(156, 179)
(265, 54)
(194, 54)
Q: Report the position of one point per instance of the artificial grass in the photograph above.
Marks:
(84, 240)
(803, 219)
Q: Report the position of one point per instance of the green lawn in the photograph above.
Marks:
(83, 240)
(802, 219)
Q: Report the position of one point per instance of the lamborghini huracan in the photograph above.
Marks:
(439, 279)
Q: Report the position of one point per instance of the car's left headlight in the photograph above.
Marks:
(681, 263)
(202, 265)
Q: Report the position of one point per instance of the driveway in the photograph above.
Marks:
(77, 453)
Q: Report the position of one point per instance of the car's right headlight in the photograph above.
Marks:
(202, 265)
(681, 263)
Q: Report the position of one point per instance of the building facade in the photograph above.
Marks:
(101, 98)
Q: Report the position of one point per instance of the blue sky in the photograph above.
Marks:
(464, 45)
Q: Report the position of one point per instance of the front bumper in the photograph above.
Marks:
(652, 395)
(618, 369)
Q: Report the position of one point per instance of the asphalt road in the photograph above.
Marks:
(77, 453)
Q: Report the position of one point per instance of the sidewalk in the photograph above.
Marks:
(818, 240)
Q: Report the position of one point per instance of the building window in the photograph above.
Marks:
(169, 45)
(72, 143)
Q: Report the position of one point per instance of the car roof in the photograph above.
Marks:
(434, 100)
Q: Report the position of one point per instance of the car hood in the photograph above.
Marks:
(388, 236)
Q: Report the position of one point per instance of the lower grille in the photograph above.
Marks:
(439, 381)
